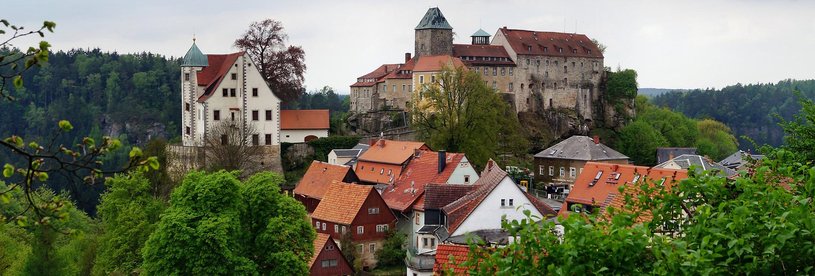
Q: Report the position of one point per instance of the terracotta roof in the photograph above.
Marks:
(438, 196)
(436, 63)
(599, 183)
(525, 42)
(391, 151)
(319, 177)
(459, 210)
(319, 243)
(581, 148)
(212, 75)
(341, 202)
(421, 171)
(419, 204)
(444, 254)
(304, 119)
(482, 51)
(363, 84)
(377, 173)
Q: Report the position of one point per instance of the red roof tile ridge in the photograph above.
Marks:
(342, 202)
(213, 74)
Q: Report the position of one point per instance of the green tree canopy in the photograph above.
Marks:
(639, 140)
(457, 112)
(216, 225)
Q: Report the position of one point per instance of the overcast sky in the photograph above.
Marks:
(671, 44)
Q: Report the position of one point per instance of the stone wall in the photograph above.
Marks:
(433, 42)
(184, 159)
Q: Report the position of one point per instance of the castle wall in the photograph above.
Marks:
(433, 42)
(184, 159)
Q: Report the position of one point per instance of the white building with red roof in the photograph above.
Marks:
(226, 88)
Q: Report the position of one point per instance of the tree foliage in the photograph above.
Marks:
(457, 112)
(392, 253)
(216, 225)
(621, 84)
(128, 211)
(281, 65)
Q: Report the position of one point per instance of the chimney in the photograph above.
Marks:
(407, 57)
(372, 142)
(596, 139)
(442, 160)
(381, 143)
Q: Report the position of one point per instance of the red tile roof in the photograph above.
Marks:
(379, 173)
(420, 172)
(525, 42)
(451, 257)
(319, 244)
(319, 177)
(438, 196)
(304, 119)
(341, 202)
(377, 75)
(436, 63)
(482, 51)
(392, 151)
(212, 75)
(602, 191)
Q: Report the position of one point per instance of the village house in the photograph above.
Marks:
(347, 156)
(740, 159)
(701, 163)
(668, 153)
(598, 186)
(406, 195)
(358, 211)
(384, 161)
(299, 126)
(473, 212)
(559, 165)
(328, 259)
(319, 176)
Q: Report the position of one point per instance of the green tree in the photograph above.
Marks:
(622, 84)
(800, 131)
(392, 253)
(129, 212)
(459, 113)
(639, 141)
(715, 139)
(216, 225)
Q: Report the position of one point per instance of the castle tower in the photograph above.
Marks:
(434, 36)
(481, 38)
(193, 62)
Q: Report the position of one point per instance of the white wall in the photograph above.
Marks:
(463, 168)
(298, 135)
(488, 214)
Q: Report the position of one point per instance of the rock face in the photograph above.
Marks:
(138, 132)
(375, 122)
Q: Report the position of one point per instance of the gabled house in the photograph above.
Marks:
(384, 161)
(328, 259)
(701, 163)
(453, 213)
(559, 165)
(356, 210)
(739, 159)
(299, 126)
(347, 156)
(668, 153)
(598, 186)
(317, 179)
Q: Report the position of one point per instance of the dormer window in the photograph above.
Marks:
(545, 49)
(529, 48)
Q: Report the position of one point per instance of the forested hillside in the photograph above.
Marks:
(749, 110)
(133, 97)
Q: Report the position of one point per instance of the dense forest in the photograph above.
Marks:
(749, 110)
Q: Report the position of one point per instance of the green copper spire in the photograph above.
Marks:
(480, 32)
(194, 57)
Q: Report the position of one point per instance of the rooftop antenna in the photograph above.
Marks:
(193, 37)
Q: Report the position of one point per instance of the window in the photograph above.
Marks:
(394, 88)
(254, 92)
(381, 171)
(432, 78)
(268, 139)
(421, 79)
(572, 172)
(343, 229)
(373, 247)
(551, 170)
(186, 76)
(373, 211)
(403, 88)
(432, 243)
(503, 71)
(225, 92)
(494, 85)
(485, 71)
(466, 179)
(360, 230)
(255, 139)
(381, 228)
(187, 130)
(317, 225)
(540, 170)
(510, 204)
(562, 172)
(255, 115)
(510, 87)
(425, 242)
(511, 70)
(390, 171)
(323, 226)
(234, 76)
(232, 92)
(329, 247)
(503, 202)
(494, 71)
(186, 106)
(224, 140)
(268, 115)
